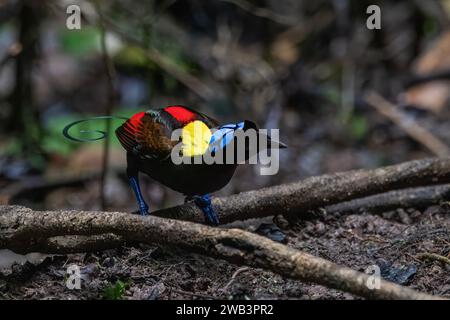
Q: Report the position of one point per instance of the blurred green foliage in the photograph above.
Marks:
(54, 141)
(80, 42)
(132, 56)
(358, 127)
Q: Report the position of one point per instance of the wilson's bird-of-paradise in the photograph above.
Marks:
(148, 140)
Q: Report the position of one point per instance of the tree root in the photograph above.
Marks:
(295, 199)
(25, 230)
(406, 198)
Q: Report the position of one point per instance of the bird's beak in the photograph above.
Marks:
(281, 145)
(275, 144)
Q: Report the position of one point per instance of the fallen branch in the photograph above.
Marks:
(295, 199)
(25, 230)
(406, 198)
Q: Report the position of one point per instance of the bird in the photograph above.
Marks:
(146, 137)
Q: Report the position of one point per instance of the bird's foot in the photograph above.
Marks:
(204, 203)
(143, 210)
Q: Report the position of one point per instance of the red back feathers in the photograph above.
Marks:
(181, 114)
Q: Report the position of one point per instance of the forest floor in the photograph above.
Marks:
(395, 241)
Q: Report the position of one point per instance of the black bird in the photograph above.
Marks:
(148, 140)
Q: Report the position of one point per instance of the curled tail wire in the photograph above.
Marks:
(103, 134)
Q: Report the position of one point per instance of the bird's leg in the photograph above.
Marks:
(143, 206)
(204, 203)
(133, 179)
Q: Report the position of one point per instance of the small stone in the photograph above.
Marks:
(272, 232)
(156, 291)
(398, 274)
(281, 221)
(109, 262)
(415, 214)
(320, 228)
(388, 215)
(404, 216)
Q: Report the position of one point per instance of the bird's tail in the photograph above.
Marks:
(103, 134)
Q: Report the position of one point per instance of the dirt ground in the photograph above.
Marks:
(394, 241)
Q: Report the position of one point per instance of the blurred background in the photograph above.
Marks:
(343, 96)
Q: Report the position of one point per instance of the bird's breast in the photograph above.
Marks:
(189, 179)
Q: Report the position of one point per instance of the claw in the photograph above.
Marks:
(204, 203)
(143, 209)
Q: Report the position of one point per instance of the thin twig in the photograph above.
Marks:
(193, 83)
(435, 257)
(190, 81)
(192, 294)
(409, 125)
(440, 75)
(263, 12)
(111, 100)
(233, 277)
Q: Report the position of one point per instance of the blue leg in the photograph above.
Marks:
(204, 203)
(143, 207)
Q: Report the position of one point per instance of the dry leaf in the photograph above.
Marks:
(433, 96)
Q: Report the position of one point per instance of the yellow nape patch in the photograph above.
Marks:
(195, 138)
